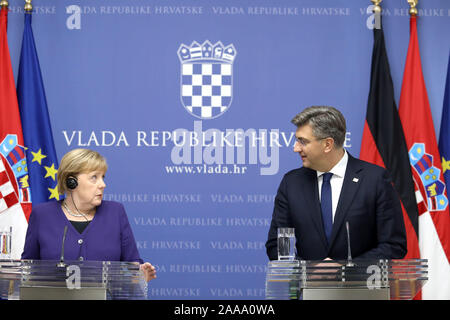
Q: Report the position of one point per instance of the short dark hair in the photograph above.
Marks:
(325, 122)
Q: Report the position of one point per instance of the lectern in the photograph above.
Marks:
(345, 280)
(71, 280)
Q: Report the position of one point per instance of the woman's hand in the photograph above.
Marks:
(148, 270)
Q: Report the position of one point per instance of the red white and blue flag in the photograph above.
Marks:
(431, 194)
(15, 204)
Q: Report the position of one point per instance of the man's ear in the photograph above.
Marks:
(329, 144)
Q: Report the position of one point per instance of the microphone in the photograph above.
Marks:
(349, 250)
(61, 261)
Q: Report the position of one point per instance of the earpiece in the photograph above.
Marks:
(71, 183)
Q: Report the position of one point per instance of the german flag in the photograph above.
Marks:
(384, 143)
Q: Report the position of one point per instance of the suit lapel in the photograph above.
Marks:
(312, 198)
(352, 180)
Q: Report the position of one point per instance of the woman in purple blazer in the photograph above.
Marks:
(93, 229)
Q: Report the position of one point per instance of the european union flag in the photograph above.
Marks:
(37, 132)
(444, 137)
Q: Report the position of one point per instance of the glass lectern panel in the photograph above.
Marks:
(373, 279)
(37, 278)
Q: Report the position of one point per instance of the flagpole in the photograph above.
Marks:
(413, 9)
(377, 11)
(376, 6)
(28, 7)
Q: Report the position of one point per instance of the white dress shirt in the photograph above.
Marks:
(336, 181)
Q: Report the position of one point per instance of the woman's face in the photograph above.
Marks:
(89, 192)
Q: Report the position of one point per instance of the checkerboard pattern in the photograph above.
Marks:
(7, 195)
(206, 88)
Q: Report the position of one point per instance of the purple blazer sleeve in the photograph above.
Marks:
(129, 251)
(31, 248)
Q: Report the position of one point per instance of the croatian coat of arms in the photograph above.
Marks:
(206, 78)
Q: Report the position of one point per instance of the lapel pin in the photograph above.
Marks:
(355, 179)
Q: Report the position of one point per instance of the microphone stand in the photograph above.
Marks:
(349, 250)
(61, 263)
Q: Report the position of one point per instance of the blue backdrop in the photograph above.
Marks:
(191, 102)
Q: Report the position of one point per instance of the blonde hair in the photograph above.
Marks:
(79, 161)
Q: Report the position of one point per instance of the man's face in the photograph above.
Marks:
(310, 149)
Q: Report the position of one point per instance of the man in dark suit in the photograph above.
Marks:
(333, 188)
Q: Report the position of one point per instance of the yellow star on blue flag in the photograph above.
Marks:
(51, 172)
(445, 165)
(38, 156)
(54, 194)
(37, 130)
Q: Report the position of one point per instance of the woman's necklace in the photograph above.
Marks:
(71, 213)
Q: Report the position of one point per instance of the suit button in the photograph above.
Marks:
(80, 241)
(81, 258)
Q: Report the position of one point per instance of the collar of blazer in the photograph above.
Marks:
(352, 180)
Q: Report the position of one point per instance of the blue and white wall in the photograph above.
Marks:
(125, 77)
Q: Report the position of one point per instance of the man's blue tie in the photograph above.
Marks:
(325, 203)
